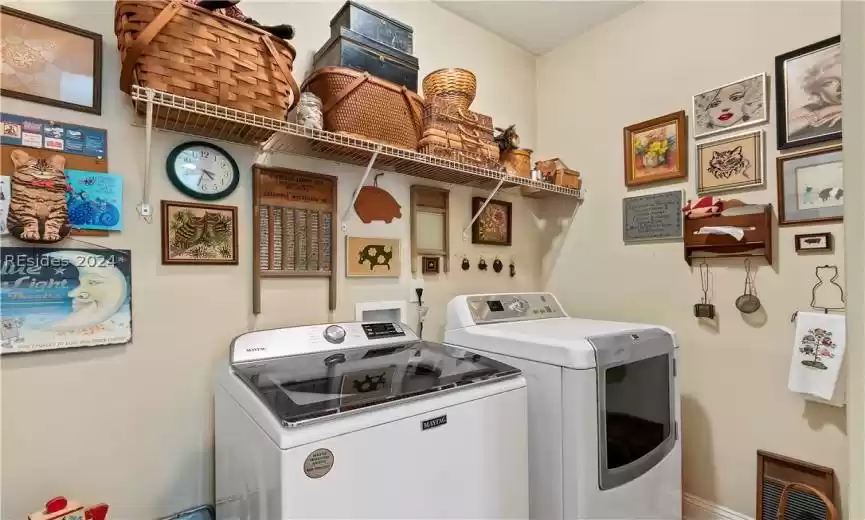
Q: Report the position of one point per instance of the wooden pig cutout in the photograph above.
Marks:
(374, 203)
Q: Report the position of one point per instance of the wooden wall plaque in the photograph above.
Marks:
(293, 226)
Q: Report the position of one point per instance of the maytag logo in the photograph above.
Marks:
(255, 349)
(432, 423)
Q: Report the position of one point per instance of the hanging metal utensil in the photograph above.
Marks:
(748, 302)
(704, 309)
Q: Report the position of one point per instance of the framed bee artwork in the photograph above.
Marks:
(198, 234)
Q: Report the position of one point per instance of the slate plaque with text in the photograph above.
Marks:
(652, 217)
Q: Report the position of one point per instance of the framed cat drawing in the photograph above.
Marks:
(203, 234)
(731, 163)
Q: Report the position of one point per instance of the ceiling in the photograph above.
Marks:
(537, 26)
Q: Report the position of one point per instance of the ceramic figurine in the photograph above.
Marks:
(59, 508)
(507, 138)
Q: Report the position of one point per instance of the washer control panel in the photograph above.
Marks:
(493, 308)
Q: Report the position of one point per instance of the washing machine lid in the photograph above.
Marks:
(556, 341)
(307, 387)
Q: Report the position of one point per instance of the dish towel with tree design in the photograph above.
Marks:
(818, 351)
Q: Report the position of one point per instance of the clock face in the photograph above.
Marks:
(203, 171)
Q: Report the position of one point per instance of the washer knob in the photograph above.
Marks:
(334, 334)
(519, 305)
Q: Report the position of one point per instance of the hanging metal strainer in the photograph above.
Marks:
(748, 302)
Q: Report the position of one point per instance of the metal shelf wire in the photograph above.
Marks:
(189, 116)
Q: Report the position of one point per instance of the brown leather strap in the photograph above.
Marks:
(133, 52)
(280, 62)
(831, 510)
(337, 99)
(417, 118)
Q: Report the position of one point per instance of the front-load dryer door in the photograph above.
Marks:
(636, 403)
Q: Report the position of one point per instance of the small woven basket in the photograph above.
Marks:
(456, 86)
(831, 510)
(358, 104)
(175, 47)
(517, 162)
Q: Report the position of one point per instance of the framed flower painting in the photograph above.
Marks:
(656, 150)
(494, 224)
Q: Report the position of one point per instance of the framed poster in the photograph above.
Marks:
(811, 187)
(808, 92)
(49, 62)
(494, 225)
(731, 163)
(652, 217)
(64, 298)
(732, 106)
(199, 234)
(94, 200)
(656, 150)
(372, 257)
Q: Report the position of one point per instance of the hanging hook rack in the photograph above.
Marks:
(832, 281)
(360, 185)
(482, 208)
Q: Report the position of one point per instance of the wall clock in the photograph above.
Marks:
(202, 170)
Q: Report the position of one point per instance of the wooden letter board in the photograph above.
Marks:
(294, 224)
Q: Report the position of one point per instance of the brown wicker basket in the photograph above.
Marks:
(357, 104)
(517, 162)
(457, 86)
(175, 47)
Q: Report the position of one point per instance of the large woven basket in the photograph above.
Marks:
(456, 86)
(175, 47)
(357, 104)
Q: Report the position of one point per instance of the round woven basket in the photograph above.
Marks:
(457, 86)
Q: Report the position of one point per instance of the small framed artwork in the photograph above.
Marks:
(808, 93)
(372, 257)
(732, 106)
(50, 62)
(493, 226)
(811, 187)
(730, 163)
(430, 264)
(656, 150)
(813, 242)
(198, 234)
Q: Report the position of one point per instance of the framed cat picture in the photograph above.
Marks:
(202, 234)
(731, 163)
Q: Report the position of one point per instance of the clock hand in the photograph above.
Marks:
(208, 173)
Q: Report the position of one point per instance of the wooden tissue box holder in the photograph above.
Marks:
(756, 242)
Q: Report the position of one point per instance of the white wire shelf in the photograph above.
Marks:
(189, 116)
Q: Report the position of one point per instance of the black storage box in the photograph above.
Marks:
(372, 24)
(356, 51)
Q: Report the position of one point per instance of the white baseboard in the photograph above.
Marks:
(695, 508)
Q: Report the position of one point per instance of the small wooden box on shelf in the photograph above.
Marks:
(756, 242)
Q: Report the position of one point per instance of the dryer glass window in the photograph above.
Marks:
(638, 414)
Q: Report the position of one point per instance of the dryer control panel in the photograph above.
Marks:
(492, 308)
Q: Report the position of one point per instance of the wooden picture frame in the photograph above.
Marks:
(182, 237)
(283, 194)
(372, 257)
(776, 471)
(816, 77)
(731, 163)
(813, 242)
(488, 228)
(789, 167)
(645, 150)
(32, 27)
(431, 264)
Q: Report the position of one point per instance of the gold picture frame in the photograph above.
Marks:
(656, 150)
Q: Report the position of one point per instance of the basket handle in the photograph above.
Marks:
(280, 62)
(417, 118)
(348, 89)
(831, 510)
(133, 52)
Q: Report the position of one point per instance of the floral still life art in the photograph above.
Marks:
(817, 344)
(655, 150)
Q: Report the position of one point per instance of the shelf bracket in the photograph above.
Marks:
(145, 211)
(482, 208)
(360, 186)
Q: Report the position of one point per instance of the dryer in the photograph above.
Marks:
(366, 420)
(604, 408)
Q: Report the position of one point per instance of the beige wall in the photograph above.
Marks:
(132, 425)
(853, 33)
(643, 64)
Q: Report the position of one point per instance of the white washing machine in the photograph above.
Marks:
(603, 405)
(365, 420)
